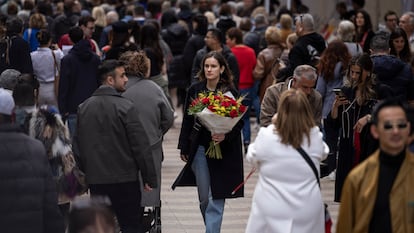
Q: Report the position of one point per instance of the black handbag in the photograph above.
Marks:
(328, 219)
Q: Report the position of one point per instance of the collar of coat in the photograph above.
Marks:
(106, 90)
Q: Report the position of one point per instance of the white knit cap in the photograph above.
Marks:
(6, 102)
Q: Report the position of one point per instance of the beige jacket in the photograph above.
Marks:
(359, 194)
(266, 60)
(270, 102)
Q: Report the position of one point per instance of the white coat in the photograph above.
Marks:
(287, 198)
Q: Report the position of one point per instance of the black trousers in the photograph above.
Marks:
(126, 203)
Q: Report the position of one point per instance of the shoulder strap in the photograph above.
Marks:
(310, 163)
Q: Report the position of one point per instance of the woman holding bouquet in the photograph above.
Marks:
(215, 178)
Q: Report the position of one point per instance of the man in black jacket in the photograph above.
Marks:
(28, 197)
(78, 77)
(214, 42)
(307, 48)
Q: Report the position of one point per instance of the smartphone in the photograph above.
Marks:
(338, 91)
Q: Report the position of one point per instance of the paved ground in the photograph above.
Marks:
(180, 212)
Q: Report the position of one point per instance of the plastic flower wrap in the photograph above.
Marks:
(219, 113)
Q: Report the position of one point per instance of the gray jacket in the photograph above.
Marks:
(113, 144)
(157, 117)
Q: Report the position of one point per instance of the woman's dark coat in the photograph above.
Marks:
(225, 174)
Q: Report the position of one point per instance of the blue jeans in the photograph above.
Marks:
(211, 209)
(247, 101)
(72, 118)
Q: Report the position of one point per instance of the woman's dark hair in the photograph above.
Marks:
(405, 54)
(44, 37)
(226, 78)
(135, 31)
(367, 23)
(334, 53)
(150, 40)
(202, 24)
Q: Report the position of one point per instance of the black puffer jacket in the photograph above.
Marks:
(28, 197)
(394, 73)
(176, 37)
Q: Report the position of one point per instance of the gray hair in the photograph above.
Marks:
(411, 14)
(305, 71)
(307, 21)
(379, 43)
(346, 31)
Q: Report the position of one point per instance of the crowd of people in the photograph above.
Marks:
(86, 98)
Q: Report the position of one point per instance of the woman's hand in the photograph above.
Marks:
(184, 158)
(361, 123)
(218, 137)
(339, 100)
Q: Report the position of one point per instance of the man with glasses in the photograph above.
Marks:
(391, 21)
(304, 78)
(87, 24)
(378, 195)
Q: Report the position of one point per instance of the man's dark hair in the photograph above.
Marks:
(86, 213)
(139, 10)
(107, 68)
(379, 43)
(24, 91)
(235, 33)
(217, 34)
(14, 26)
(360, 3)
(390, 102)
(84, 20)
(75, 34)
(388, 13)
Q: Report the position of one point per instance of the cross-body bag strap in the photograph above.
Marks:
(310, 163)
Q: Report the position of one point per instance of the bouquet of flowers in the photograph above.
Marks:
(219, 113)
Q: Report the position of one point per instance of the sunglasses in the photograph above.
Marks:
(388, 126)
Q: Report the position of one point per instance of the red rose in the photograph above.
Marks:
(242, 108)
(225, 104)
(205, 100)
(234, 113)
(211, 108)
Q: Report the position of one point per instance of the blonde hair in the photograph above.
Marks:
(37, 21)
(272, 35)
(286, 21)
(294, 119)
(98, 13)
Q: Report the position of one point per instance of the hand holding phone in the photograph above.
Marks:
(338, 92)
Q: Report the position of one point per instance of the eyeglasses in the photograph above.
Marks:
(392, 19)
(299, 19)
(389, 126)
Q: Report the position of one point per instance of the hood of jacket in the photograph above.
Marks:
(177, 30)
(313, 39)
(83, 50)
